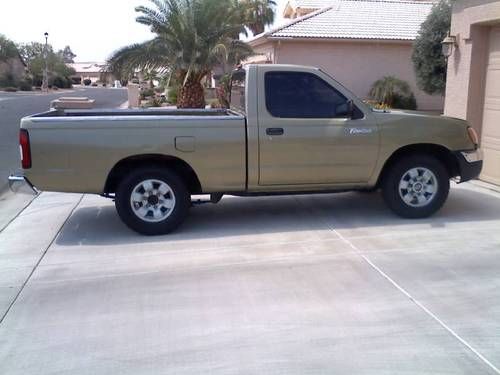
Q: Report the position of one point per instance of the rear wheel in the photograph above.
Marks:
(152, 201)
(416, 186)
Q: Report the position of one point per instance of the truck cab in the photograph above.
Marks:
(305, 130)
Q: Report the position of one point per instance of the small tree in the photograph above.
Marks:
(67, 55)
(34, 56)
(429, 63)
(8, 49)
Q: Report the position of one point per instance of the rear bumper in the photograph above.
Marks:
(20, 184)
(470, 164)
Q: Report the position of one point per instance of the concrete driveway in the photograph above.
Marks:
(325, 284)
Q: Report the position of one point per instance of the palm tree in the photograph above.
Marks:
(388, 89)
(191, 38)
(150, 75)
(257, 14)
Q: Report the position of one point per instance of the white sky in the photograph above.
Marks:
(92, 28)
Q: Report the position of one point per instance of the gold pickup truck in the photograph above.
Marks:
(290, 129)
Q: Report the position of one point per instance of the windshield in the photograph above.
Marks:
(237, 97)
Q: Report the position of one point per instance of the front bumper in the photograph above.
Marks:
(470, 164)
(20, 184)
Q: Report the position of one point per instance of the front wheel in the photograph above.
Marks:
(152, 201)
(416, 186)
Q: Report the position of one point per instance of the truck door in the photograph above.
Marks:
(307, 134)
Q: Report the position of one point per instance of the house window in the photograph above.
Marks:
(302, 95)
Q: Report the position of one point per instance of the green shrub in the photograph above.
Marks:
(87, 82)
(404, 102)
(94, 84)
(7, 80)
(393, 92)
(173, 92)
(37, 80)
(61, 82)
(10, 89)
(155, 102)
(146, 93)
(25, 85)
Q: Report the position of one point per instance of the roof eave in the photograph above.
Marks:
(340, 39)
(262, 39)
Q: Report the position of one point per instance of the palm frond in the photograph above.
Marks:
(192, 37)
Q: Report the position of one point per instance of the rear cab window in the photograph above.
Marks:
(237, 96)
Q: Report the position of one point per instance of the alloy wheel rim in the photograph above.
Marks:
(152, 200)
(418, 187)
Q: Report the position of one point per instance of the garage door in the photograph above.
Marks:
(490, 138)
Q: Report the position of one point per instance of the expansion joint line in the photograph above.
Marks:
(416, 302)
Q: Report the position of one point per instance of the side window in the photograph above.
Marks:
(302, 95)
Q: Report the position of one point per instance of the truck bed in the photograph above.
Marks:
(136, 112)
(75, 150)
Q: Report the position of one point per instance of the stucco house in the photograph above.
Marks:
(473, 83)
(355, 41)
(90, 70)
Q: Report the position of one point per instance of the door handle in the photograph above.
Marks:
(274, 131)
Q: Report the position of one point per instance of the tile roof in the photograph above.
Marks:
(359, 19)
(318, 4)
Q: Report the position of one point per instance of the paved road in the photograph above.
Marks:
(14, 106)
(327, 284)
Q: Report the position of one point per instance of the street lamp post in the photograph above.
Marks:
(45, 83)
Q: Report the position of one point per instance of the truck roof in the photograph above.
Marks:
(280, 66)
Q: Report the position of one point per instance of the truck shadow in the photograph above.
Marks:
(100, 224)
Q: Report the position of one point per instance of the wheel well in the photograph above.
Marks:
(177, 165)
(439, 152)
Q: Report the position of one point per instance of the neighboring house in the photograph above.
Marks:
(299, 8)
(90, 70)
(14, 66)
(355, 41)
(473, 83)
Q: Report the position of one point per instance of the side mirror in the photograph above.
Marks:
(345, 110)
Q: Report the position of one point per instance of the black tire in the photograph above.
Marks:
(393, 177)
(176, 215)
